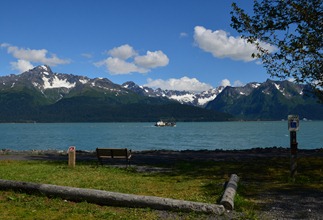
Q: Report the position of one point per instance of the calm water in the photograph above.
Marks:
(144, 136)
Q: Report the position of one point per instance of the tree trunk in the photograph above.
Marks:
(111, 198)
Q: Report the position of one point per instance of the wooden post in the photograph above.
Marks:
(293, 155)
(293, 126)
(71, 156)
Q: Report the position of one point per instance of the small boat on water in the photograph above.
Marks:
(162, 123)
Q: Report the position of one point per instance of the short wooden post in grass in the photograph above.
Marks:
(71, 156)
(293, 126)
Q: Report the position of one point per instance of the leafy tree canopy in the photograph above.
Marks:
(294, 27)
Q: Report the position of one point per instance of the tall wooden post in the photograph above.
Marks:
(293, 155)
(293, 126)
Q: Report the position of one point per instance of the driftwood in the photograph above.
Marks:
(230, 191)
(111, 198)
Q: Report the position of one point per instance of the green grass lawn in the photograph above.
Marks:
(193, 181)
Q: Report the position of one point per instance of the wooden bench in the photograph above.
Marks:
(113, 153)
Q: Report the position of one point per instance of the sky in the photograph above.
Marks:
(169, 44)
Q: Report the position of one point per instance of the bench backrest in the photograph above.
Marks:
(113, 152)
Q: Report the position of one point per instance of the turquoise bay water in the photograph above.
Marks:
(145, 136)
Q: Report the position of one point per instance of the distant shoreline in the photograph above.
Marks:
(256, 149)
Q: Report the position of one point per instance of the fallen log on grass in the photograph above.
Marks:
(230, 191)
(110, 198)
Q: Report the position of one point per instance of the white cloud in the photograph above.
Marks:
(21, 65)
(4, 45)
(183, 34)
(123, 52)
(117, 66)
(31, 55)
(221, 45)
(152, 59)
(87, 55)
(184, 83)
(238, 83)
(225, 82)
(125, 60)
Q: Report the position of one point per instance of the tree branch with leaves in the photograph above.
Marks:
(295, 28)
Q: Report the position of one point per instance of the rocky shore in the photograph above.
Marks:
(163, 156)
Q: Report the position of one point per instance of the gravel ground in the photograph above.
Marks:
(293, 203)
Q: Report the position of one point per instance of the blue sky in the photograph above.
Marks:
(172, 44)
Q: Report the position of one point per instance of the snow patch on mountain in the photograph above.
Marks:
(57, 83)
(278, 87)
(255, 85)
(44, 67)
(83, 81)
(205, 100)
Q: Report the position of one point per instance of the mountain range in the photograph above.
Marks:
(270, 100)
(39, 95)
(184, 97)
(43, 96)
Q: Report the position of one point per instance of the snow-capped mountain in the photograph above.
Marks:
(56, 85)
(271, 100)
(184, 97)
(43, 96)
